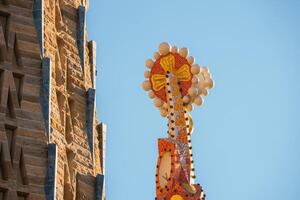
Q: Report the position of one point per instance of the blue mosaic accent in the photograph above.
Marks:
(81, 36)
(50, 183)
(99, 187)
(45, 93)
(92, 60)
(90, 118)
(38, 16)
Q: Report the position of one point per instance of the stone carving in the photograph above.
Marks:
(51, 146)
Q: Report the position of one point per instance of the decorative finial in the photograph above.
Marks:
(193, 80)
(175, 83)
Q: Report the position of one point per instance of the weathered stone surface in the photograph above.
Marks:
(100, 187)
(90, 115)
(50, 185)
(45, 95)
(50, 144)
(92, 55)
(81, 35)
(22, 135)
(38, 15)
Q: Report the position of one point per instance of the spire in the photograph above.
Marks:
(175, 83)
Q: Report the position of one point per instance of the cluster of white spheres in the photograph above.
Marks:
(201, 79)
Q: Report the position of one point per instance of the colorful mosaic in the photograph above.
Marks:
(176, 83)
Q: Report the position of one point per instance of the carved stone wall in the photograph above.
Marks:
(23, 143)
(51, 146)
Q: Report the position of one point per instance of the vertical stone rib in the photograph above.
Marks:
(81, 36)
(102, 144)
(38, 15)
(90, 118)
(100, 187)
(50, 185)
(92, 60)
(45, 97)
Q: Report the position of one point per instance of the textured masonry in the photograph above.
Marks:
(51, 144)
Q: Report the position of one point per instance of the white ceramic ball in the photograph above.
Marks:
(209, 83)
(147, 74)
(158, 103)
(205, 69)
(204, 92)
(201, 83)
(193, 91)
(165, 105)
(195, 80)
(164, 48)
(195, 69)
(184, 52)
(146, 85)
(191, 60)
(163, 112)
(156, 55)
(186, 99)
(151, 94)
(198, 101)
(189, 107)
(149, 63)
(174, 49)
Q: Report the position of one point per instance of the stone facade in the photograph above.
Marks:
(51, 145)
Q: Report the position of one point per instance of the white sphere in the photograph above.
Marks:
(164, 48)
(191, 60)
(195, 69)
(147, 74)
(146, 85)
(151, 94)
(209, 83)
(189, 107)
(205, 69)
(201, 81)
(204, 92)
(158, 103)
(149, 63)
(165, 105)
(193, 91)
(198, 101)
(174, 49)
(200, 87)
(184, 52)
(156, 55)
(163, 112)
(186, 99)
(195, 80)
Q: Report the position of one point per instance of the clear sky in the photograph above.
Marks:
(247, 135)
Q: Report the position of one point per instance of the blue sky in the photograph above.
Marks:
(247, 135)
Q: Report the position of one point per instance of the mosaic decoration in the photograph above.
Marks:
(176, 83)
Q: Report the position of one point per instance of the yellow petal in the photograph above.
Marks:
(158, 81)
(168, 63)
(183, 73)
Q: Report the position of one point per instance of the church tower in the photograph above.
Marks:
(51, 143)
